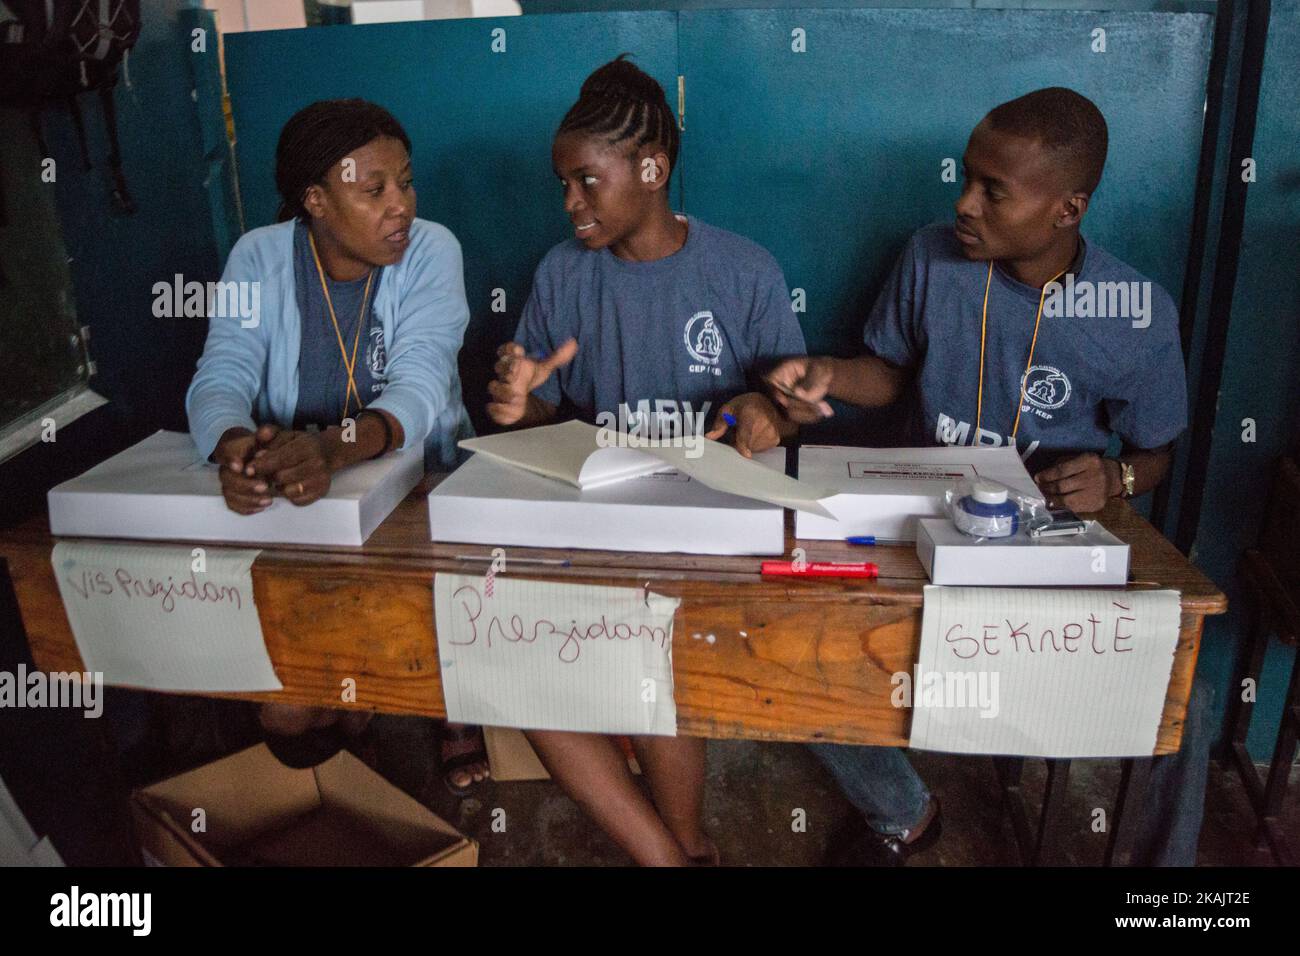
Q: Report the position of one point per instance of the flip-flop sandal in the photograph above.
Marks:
(712, 858)
(460, 761)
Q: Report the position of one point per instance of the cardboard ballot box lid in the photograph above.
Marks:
(258, 812)
(511, 757)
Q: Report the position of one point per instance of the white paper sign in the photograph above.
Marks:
(145, 617)
(545, 656)
(1041, 672)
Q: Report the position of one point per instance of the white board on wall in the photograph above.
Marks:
(237, 16)
(389, 11)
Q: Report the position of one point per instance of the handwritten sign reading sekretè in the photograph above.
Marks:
(544, 656)
(1042, 672)
(165, 617)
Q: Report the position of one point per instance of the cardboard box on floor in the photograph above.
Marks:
(258, 812)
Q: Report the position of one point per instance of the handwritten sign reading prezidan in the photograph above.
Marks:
(544, 656)
(165, 617)
(1042, 672)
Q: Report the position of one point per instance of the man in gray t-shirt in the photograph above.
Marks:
(663, 344)
(1006, 328)
(1090, 375)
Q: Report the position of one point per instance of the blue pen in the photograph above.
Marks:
(861, 539)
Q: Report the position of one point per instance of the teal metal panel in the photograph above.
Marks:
(218, 157)
(144, 363)
(571, 6)
(1259, 380)
(480, 123)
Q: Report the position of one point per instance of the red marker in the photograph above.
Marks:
(821, 570)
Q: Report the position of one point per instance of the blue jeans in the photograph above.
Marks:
(881, 783)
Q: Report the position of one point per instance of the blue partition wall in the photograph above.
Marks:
(829, 158)
(1258, 415)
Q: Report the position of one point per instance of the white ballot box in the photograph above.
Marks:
(486, 501)
(1095, 557)
(884, 491)
(160, 488)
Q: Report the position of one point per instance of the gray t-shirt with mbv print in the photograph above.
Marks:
(698, 327)
(1107, 360)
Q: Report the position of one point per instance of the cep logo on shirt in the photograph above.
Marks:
(703, 342)
(1045, 387)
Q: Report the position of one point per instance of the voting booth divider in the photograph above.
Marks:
(829, 158)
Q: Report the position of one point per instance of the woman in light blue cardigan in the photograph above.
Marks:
(334, 339)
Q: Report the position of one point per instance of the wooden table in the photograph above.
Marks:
(796, 660)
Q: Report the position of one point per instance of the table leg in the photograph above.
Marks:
(1009, 771)
(1126, 817)
(1279, 770)
(1058, 781)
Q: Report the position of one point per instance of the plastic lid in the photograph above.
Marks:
(988, 493)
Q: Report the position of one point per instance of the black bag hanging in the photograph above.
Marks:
(52, 51)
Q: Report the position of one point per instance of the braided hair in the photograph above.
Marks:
(320, 135)
(620, 101)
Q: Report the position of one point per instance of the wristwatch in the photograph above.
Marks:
(1127, 476)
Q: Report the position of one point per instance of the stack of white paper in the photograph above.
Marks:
(1092, 559)
(160, 489)
(486, 501)
(883, 491)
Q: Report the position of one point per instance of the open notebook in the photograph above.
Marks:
(572, 453)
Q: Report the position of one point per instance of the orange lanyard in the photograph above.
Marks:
(348, 363)
(984, 325)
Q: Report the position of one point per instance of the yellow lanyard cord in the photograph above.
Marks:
(984, 325)
(349, 364)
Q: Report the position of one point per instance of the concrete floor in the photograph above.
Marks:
(754, 788)
(79, 797)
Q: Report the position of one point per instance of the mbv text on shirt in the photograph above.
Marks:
(1099, 300)
(219, 300)
(952, 431)
(672, 423)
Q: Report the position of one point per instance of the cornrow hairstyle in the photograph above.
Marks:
(618, 102)
(320, 135)
(1066, 124)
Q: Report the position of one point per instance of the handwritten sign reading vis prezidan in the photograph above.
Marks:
(1042, 672)
(546, 656)
(165, 618)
